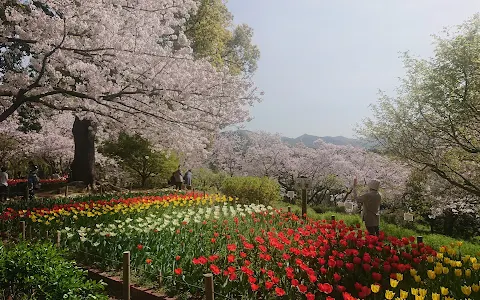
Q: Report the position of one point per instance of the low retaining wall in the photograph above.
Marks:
(115, 286)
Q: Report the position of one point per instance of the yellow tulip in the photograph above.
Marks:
(459, 244)
(417, 278)
(430, 259)
(414, 291)
(475, 287)
(389, 294)
(419, 297)
(439, 255)
(422, 292)
(473, 260)
(466, 258)
(468, 273)
(445, 270)
(375, 288)
(443, 249)
(399, 276)
(458, 272)
(444, 291)
(449, 298)
(466, 290)
(435, 296)
(431, 274)
(413, 272)
(403, 294)
(476, 266)
(438, 270)
(393, 283)
(458, 264)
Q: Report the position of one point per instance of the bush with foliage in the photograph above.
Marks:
(320, 209)
(252, 189)
(138, 156)
(208, 180)
(39, 271)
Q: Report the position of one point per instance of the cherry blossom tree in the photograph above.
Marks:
(53, 144)
(116, 65)
(228, 153)
(330, 168)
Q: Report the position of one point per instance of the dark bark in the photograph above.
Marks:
(144, 180)
(84, 159)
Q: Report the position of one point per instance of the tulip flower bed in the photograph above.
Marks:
(13, 210)
(254, 251)
(13, 182)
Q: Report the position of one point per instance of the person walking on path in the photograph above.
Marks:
(178, 178)
(370, 205)
(188, 179)
(3, 184)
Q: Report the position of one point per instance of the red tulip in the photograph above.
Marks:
(279, 291)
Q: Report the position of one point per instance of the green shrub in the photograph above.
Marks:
(208, 180)
(39, 271)
(252, 189)
(320, 209)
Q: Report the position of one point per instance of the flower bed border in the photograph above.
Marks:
(115, 286)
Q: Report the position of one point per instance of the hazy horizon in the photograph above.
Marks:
(323, 63)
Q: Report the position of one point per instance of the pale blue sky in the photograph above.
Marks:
(323, 62)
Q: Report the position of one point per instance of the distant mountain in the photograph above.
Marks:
(308, 140)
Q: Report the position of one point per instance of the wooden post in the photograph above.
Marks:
(208, 286)
(23, 226)
(289, 209)
(126, 275)
(419, 239)
(333, 218)
(59, 236)
(304, 203)
(46, 234)
(66, 190)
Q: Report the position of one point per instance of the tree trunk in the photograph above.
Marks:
(84, 159)
(144, 180)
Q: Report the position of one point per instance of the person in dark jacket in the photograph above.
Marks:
(33, 181)
(178, 178)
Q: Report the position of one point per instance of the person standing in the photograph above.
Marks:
(188, 179)
(370, 205)
(178, 178)
(33, 181)
(3, 184)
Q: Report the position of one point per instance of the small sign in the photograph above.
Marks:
(291, 194)
(408, 217)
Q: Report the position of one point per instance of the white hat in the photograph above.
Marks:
(374, 184)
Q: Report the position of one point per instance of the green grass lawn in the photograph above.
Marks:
(434, 240)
